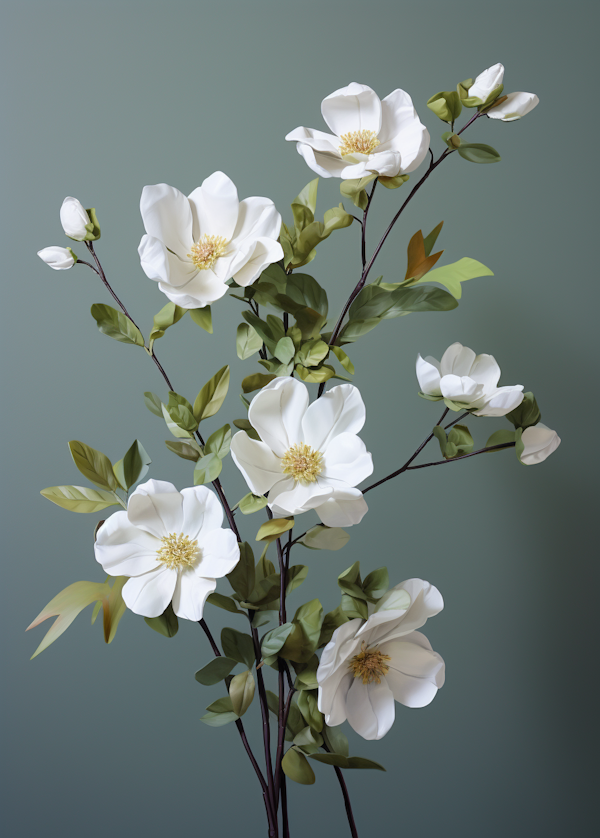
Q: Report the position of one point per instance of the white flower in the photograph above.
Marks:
(59, 258)
(539, 442)
(172, 546)
(74, 219)
(369, 135)
(486, 82)
(368, 665)
(469, 379)
(194, 244)
(310, 456)
(514, 107)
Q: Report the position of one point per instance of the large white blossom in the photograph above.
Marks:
(58, 258)
(539, 442)
(469, 380)
(385, 136)
(171, 545)
(194, 244)
(368, 665)
(310, 456)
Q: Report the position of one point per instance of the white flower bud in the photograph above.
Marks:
(75, 220)
(539, 442)
(59, 258)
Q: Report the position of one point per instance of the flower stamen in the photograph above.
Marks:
(206, 251)
(302, 463)
(369, 664)
(359, 142)
(177, 551)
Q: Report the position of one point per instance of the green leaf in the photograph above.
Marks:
(351, 583)
(332, 621)
(224, 602)
(308, 740)
(303, 641)
(167, 316)
(295, 576)
(440, 434)
(186, 450)
(526, 414)
(113, 608)
(202, 317)
(274, 528)
(274, 639)
(134, 465)
(65, 606)
(247, 341)
(207, 469)
(167, 624)
(215, 671)
(342, 761)
(420, 299)
(336, 740)
(180, 413)
(219, 442)
(446, 105)
(376, 583)
(430, 240)
(321, 537)
(315, 376)
(251, 503)
(219, 713)
(285, 350)
(304, 205)
(153, 403)
(355, 190)
(312, 352)
(93, 464)
(354, 607)
(116, 325)
(241, 692)
(256, 381)
(242, 577)
(478, 153)
(343, 359)
(355, 329)
(238, 646)
(500, 438)
(305, 292)
(212, 395)
(80, 498)
(307, 704)
(244, 425)
(393, 182)
(453, 275)
(296, 767)
(460, 442)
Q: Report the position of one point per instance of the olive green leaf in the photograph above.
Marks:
(478, 153)
(526, 414)
(296, 767)
(303, 641)
(80, 498)
(224, 602)
(207, 469)
(133, 466)
(166, 624)
(186, 450)
(321, 537)
(202, 317)
(242, 577)
(247, 341)
(237, 646)
(215, 671)
(167, 316)
(274, 528)
(116, 325)
(93, 464)
(219, 442)
(256, 381)
(212, 395)
(251, 503)
(342, 761)
(241, 692)
(219, 713)
(451, 276)
(274, 639)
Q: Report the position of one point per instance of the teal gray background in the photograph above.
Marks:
(102, 98)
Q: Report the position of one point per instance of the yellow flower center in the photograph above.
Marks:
(206, 251)
(359, 142)
(369, 664)
(177, 550)
(302, 462)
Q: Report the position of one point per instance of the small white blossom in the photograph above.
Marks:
(74, 219)
(58, 258)
(539, 442)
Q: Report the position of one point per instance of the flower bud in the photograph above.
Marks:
(538, 443)
(78, 223)
(513, 106)
(58, 258)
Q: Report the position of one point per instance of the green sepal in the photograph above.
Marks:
(393, 182)
(202, 317)
(93, 227)
(355, 190)
(527, 414)
(167, 624)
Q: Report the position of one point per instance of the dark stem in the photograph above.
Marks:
(264, 708)
(408, 462)
(465, 456)
(462, 416)
(364, 226)
(284, 808)
(344, 788)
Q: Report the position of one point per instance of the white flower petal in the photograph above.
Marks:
(347, 460)
(501, 401)
(340, 410)
(514, 107)
(425, 601)
(416, 672)
(219, 553)
(460, 388)
(260, 467)
(124, 550)
(215, 207)
(156, 507)
(486, 82)
(167, 217)
(257, 218)
(485, 370)
(344, 509)
(162, 266)
(457, 360)
(403, 131)
(251, 261)
(74, 219)
(370, 708)
(201, 510)
(150, 593)
(324, 164)
(385, 163)
(428, 375)
(276, 413)
(57, 258)
(190, 594)
(539, 441)
(291, 498)
(334, 696)
(353, 108)
(337, 652)
(203, 289)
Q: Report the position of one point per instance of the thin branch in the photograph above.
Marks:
(344, 788)
(465, 456)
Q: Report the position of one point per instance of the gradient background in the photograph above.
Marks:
(103, 98)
